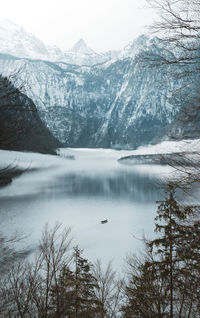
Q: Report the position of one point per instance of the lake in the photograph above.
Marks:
(80, 194)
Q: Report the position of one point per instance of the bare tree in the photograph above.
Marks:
(52, 257)
(179, 21)
(109, 291)
(26, 290)
(178, 27)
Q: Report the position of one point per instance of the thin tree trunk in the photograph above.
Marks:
(171, 261)
(76, 291)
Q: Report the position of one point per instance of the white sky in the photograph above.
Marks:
(103, 24)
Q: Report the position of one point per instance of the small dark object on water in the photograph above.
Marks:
(104, 221)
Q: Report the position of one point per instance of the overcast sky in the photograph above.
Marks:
(103, 24)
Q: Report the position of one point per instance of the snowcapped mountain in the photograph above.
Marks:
(16, 41)
(100, 100)
(113, 104)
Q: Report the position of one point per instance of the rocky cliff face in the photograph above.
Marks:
(121, 103)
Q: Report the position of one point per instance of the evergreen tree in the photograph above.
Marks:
(74, 296)
(167, 223)
(63, 295)
(86, 304)
(146, 291)
(168, 281)
(177, 253)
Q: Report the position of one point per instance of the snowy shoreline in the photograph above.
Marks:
(177, 158)
(167, 152)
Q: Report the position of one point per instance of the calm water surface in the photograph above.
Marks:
(80, 193)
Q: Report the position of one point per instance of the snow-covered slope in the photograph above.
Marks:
(168, 147)
(16, 41)
(135, 47)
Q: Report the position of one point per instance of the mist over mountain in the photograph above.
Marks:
(88, 99)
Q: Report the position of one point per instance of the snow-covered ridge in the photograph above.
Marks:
(15, 40)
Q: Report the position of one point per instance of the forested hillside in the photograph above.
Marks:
(20, 126)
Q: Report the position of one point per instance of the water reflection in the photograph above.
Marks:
(121, 185)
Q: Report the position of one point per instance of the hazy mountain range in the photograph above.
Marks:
(16, 41)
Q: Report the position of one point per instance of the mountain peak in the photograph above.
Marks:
(81, 47)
